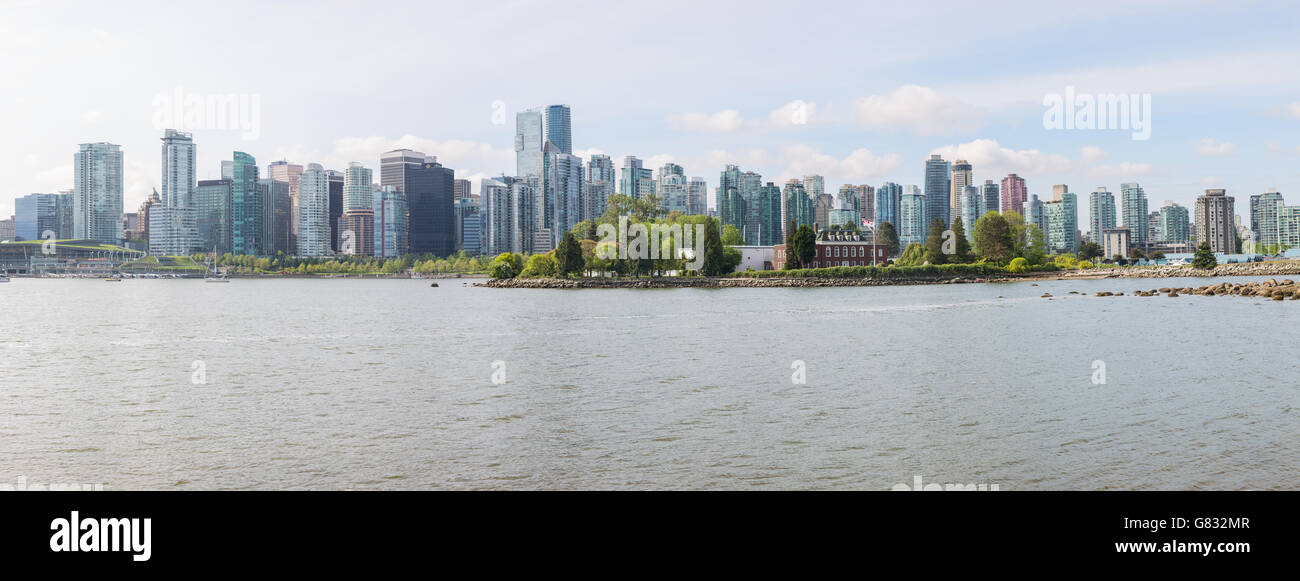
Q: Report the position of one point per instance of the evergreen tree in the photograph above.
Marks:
(714, 261)
(962, 254)
(1204, 258)
(993, 238)
(934, 244)
(888, 236)
(568, 256)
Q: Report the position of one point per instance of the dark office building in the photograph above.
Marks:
(430, 192)
(336, 206)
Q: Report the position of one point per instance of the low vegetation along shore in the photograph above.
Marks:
(913, 275)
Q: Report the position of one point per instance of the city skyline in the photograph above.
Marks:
(883, 131)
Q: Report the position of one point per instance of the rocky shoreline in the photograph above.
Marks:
(1269, 289)
(1291, 267)
(1278, 268)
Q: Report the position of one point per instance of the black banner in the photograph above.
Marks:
(212, 531)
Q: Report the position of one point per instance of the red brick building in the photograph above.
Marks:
(840, 248)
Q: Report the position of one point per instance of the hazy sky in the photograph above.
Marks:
(883, 85)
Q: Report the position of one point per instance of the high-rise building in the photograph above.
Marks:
(937, 192)
(1063, 221)
(562, 208)
(390, 222)
(822, 206)
(1035, 214)
(913, 216)
(529, 140)
(600, 183)
(815, 186)
(962, 176)
(992, 197)
(247, 219)
(861, 199)
(336, 181)
(751, 186)
(97, 193)
(462, 189)
(498, 216)
(1174, 224)
(212, 220)
(143, 213)
(358, 187)
(972, 207)
(289, 173)
(798, 207)
(1134, 205)
(35, 215)
(1014, 194)
(429, 188)
(888, 197)
(1214, 217)
(697, 197)
(357, 234)
(276, 215)
(1264, 217)
(731, 206)
(769, 224)
(468, 223)
(1101, 214)
(674, 190)
(523, 196)
(1153, 227)
(313, 212)
(634, 180)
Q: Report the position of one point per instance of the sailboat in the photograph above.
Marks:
(4, 276)
(212, 276)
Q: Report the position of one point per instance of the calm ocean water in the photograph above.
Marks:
(388, 384)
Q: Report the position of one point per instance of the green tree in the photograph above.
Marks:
(962, 253)
(714, 258)
(506, 265)
(1089, 251)
(934, 245)
(731, 236)
(1035, 245)
(1204, 258)
(540, 266)
(913, 255)
(887, 235)
(802, 249)
(568, 256)
(1018, 264)
(993, 238)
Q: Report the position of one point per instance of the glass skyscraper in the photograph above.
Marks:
(1101, 214)
(36, 214)
(97, 192)
(937, 191)
(888, 196)
(1134, 202)
(246, 207)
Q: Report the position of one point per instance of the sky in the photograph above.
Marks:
(860, 92)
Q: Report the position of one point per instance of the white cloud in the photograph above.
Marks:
(1293, 110)
(794, 113)
(1120, 171)
(859, 166)
(921, 109)
(1212, 148)
(720, 122)
(986, 155)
